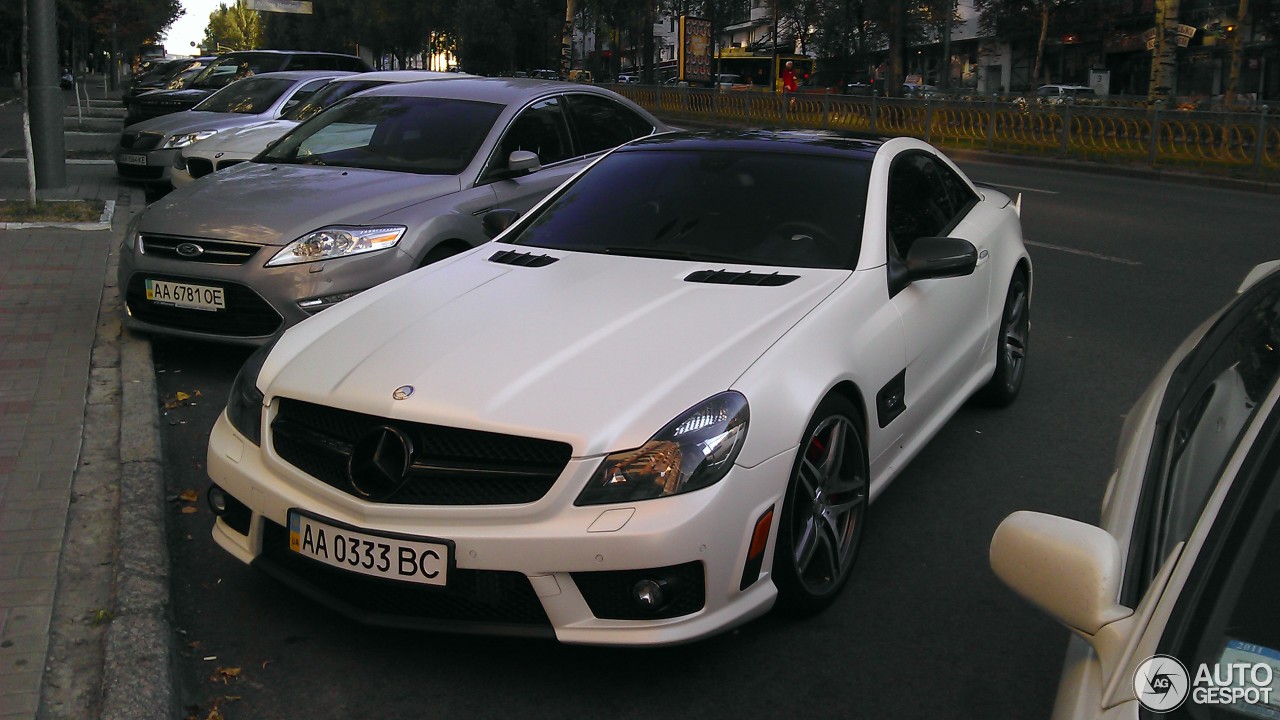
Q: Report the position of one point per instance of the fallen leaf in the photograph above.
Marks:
(225, 675)
(181, 396)
(189, 496)
(189, 509)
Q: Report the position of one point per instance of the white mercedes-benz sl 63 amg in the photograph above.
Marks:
(656, 406)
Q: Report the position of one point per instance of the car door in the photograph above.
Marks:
(945, 320)
(541, 128)
(1207, 406)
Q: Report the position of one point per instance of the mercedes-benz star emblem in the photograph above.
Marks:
(402, 392)
(379, 462)
(190, 250)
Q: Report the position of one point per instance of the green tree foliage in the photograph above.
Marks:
(233, 28)
(496, 36)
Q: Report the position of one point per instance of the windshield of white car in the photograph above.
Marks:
(434, 136)
(250, 96)
(328, 95)
(747, 207)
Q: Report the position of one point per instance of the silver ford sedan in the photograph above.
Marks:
(375, 186)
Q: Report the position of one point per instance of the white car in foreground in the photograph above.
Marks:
(655, 407)
(1173, 600)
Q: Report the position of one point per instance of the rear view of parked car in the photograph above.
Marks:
(377, 185)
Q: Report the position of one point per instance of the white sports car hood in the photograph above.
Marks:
(275, 204)
(598, 351)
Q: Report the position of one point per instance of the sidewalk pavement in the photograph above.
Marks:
(85, 630)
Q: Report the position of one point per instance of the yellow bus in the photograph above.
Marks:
(762, 70)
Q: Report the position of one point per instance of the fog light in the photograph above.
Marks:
(650, 595)
(217, 501)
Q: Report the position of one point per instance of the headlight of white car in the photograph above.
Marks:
(244, 404)
(337, 241)
(182, 140)
(693, 451)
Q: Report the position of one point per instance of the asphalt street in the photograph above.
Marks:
(1124, 270)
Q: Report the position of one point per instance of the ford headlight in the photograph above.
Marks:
(337, 241)
(244, 406)
(693, 451)
(182, 140)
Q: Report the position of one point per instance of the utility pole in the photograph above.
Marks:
(1164, 54)
(44, 97)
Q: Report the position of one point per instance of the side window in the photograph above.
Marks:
(304, 92)
(1211, 400)
(960, 195)
(304, 62)
(601, 124)
(919, 205)
(540, 128)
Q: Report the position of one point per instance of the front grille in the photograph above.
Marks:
(140, 140)
(611, 595)
(213, 252)
(489, 600)
(140, 172)
(199, 167)
(246, 315)
(450, 466)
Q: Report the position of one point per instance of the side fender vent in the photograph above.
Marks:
(725, 277)
(511, 257)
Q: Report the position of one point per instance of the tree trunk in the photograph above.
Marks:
(1237, 41)
(1044, 33)
(897, 45)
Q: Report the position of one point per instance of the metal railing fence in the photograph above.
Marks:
(1243, 143)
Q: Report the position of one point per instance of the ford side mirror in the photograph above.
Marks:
(523, 162)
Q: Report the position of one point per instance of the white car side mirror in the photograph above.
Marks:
(1070, 570)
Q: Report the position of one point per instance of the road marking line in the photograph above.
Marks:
(1086, 253)
(1018, 187)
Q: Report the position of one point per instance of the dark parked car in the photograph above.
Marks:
(173, 74)
(234, 66)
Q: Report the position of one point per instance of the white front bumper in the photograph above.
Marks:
(545, 540)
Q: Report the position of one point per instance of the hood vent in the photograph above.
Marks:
(725, 277)
(511, 257)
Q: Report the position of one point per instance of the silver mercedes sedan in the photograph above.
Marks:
(375, 186)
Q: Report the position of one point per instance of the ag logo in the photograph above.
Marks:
(1161, 683)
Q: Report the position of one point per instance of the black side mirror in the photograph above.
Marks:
(495, 221)
(930, 258)
(940, 257)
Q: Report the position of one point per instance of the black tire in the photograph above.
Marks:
(1011, 346)
(440, 252)
(823, 512)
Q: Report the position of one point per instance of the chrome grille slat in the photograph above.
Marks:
(215, 252)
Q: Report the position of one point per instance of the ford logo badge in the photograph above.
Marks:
(190, 250)
(402, 392)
